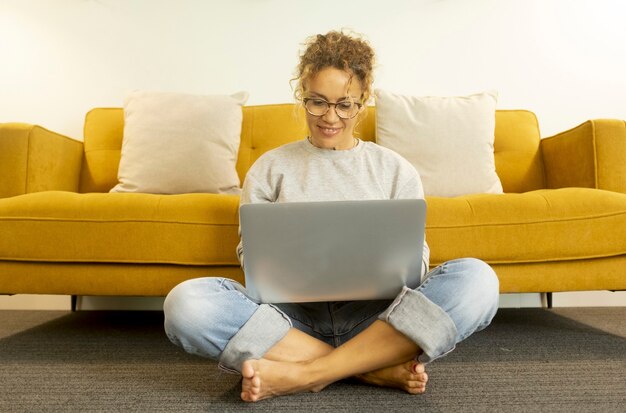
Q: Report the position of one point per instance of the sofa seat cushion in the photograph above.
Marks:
(538, 226)
(201, 229)
(55, 226)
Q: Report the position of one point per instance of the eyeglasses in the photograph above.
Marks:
(346, 109)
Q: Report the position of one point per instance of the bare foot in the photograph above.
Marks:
(263, 379)
(409, 376)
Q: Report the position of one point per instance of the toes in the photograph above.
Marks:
(245, 385)
(422, 377)
(249, 397)
(417, 377)
(418, 372)
(415, 387)
(256, 382)
(418, 368)
(416, 384)
(416, 390)
(251, 383)
(247, 369)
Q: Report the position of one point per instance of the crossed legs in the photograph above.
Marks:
(457, 299)
(214, 318)
(379, 355)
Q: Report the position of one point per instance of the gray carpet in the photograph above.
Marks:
(569, 360)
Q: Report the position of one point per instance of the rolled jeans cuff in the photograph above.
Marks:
(422, 321)
(267, 326)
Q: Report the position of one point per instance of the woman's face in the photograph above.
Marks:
(329, 130)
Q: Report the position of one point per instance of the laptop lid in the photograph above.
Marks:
(332, 251)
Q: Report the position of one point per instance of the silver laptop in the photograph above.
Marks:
(332, 251)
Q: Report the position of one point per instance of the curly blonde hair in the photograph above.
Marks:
(343, 51)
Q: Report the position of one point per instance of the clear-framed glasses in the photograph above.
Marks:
(346, 109)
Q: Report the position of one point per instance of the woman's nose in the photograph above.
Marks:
(331, 115)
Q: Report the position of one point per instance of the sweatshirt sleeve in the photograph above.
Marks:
(413, 189)
(253, 191)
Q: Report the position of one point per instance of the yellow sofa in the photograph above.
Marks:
(561, 226)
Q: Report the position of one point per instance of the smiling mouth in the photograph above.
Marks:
(329, 131)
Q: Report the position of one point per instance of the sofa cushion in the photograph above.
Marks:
(538, 226)
(191, 229)
(518, 158)
(177, 143)
(519, 163)
(201, 229)
(449, 140)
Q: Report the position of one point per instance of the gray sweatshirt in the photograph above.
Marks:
(300, 172)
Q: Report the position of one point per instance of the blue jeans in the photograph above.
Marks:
(214, 318)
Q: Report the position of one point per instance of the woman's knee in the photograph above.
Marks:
(478, 276)
(476, 294)
(181, 302)
(482, 288)
(481, 274)
(191, 305)
(201, 315)
(480, 281)
(466, 286)
(183, 298)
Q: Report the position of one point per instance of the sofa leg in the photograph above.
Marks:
(74, 301)
(546, 300)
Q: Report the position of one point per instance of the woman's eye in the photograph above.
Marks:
(345, 105)
(318, 102)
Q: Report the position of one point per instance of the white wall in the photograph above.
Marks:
(563, 59)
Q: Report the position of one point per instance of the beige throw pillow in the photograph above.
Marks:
(449, 140)
(180, 143)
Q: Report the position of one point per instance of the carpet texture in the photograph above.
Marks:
(560, 360)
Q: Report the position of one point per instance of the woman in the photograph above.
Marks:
(287, 348)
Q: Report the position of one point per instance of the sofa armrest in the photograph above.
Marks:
(34, 159)
(591, 155)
